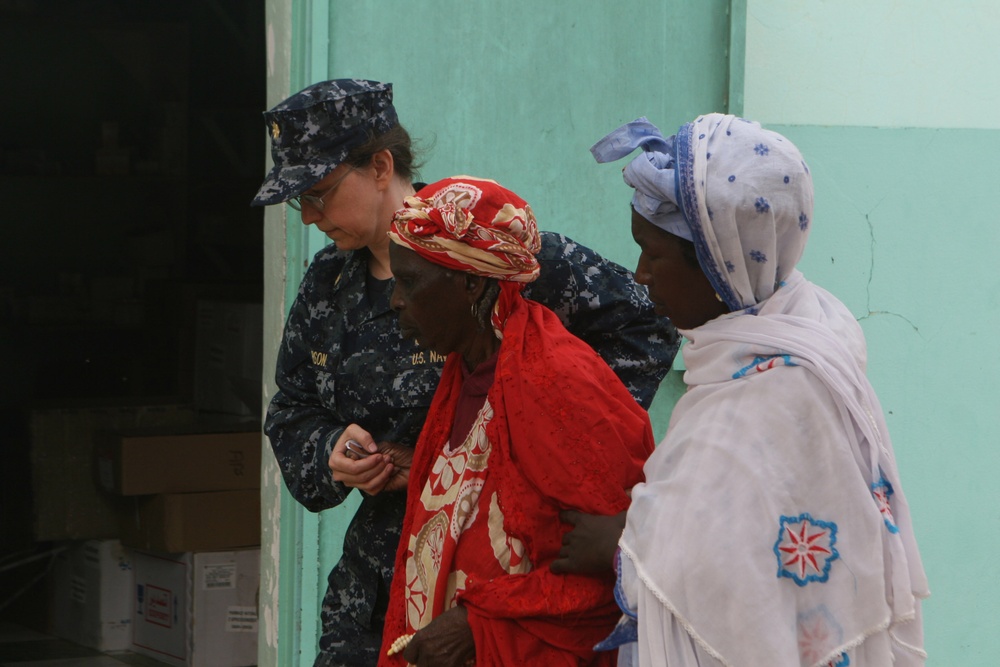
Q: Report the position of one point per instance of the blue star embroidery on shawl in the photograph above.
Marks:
(882, 492)
(730, 266)
(805, 548)
(761, 149)
(758, 256)
(803, 221)
(762, 205)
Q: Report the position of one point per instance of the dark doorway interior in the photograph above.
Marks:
(130, 146)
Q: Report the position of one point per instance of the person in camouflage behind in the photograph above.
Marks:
(342, 159)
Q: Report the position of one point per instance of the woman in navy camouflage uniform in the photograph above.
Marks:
(343, 160)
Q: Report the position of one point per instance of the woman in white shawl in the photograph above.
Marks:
(772, 528)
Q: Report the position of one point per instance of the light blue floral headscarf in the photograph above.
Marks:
(743, 193)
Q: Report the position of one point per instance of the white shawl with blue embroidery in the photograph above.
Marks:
(772, 525)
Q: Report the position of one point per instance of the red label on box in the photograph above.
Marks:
(159, 606)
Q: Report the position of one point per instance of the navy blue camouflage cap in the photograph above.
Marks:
(313, 131)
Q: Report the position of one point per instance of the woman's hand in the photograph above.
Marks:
(444, 642)
(589, 547)
(370, 473)
(402, 459)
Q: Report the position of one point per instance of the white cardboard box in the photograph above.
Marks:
(91, 595)
(197, 609)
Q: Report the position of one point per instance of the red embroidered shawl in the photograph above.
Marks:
(566, 434)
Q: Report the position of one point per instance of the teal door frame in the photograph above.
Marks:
(295, 556)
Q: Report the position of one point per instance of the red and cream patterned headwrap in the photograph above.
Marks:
(473, 225)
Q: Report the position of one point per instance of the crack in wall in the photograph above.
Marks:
(871, 277)
(871, 263)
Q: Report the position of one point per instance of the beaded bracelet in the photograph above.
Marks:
(399, 644)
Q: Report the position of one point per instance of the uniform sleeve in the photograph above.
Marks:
(301, 428)
(600, 302)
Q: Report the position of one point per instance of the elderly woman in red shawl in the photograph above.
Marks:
(527, 421)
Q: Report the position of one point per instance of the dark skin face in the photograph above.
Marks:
(435, 307)
(677, 286)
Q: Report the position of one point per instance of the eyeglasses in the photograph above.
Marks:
(312, 200)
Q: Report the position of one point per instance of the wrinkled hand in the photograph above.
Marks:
(589, 547)
(444, 642)
(402, 458)
(370, 474)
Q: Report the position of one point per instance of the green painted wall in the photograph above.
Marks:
(515, 91)
(890, 102)
(893, 106)
(911, 255)
(883, 63)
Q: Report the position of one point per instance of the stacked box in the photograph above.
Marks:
(228, 357)
(197, 609)
(68, 503)
(185, 491)
(133, 464)
(211, 521)
(90, 601)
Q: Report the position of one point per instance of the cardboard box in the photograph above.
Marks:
(68, 503)
(179, 463)
(197, 609)
(90, 598)
(228, 357)
(177, 522)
